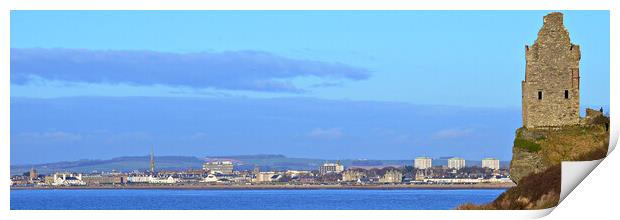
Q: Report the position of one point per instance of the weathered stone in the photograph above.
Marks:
(550, 95)
(591, 113)
(527, 163)
(552, 129)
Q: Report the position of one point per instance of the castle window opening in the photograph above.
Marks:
(566, 94)
(539, 95)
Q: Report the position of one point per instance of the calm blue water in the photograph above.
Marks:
(248, 199)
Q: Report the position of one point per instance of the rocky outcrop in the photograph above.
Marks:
(535, 191)
(527, 162)
(552, 129)
(536, 149)
(537, 157)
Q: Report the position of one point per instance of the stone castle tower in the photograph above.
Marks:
(550, 91)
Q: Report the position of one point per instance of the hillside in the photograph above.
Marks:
(537, 157)
(535, 191)
(242, 162)
(119, 163)
(535, 150)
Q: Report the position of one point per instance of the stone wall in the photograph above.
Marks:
(550, 95)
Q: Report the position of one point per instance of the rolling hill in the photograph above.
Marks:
(242, 162)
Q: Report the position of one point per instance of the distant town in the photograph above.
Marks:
(225, 174)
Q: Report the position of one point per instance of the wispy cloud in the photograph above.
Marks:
(184, 91)
(52, 136)
(238, 70)
(452, 133)
(327, 84)
(330, 133)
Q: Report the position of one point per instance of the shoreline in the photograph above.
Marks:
(275, 187)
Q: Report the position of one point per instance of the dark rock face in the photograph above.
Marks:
(527, 163)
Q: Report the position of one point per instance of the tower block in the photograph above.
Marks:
(550, 91)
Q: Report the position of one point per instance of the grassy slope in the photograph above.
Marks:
(539, 188)
(535, 191)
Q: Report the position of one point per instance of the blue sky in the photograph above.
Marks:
(463, 59)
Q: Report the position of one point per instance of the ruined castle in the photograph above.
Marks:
(550, 91)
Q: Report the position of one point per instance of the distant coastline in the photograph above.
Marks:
(266, 162)
(268, 187)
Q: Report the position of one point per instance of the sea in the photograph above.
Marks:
(288, 199)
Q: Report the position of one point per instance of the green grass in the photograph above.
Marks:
(527, 145)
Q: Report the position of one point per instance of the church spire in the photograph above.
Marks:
(152, 162)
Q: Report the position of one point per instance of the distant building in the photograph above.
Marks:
(223, 167)
(33, 175)
(139, 179)
(420, 174)
(392, 176)
(65, 179)
(48, 180)
(331, 168)
(456, 163)
(267, 177)
(423, 163)
(163, 180)
(352, 175)
(19, 181)
(491, 163)
(296, 173)
(209, 179)
(192, 172)
(103, 179)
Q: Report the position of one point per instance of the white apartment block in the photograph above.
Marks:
(456, 163)
(423, 163)
(491, 163)
(331, 168)
(223, 167)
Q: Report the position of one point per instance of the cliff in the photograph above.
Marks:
(537, 157)
(535, 150)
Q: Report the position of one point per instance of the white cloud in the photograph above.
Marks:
(452, 133)
(53, 136)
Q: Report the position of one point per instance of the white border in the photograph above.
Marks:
(603, 173)
(311, 5)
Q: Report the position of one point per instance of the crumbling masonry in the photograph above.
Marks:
(551, 87)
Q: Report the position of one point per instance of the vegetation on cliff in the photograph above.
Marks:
(536, 150)
(537, 157)
(535, 191)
